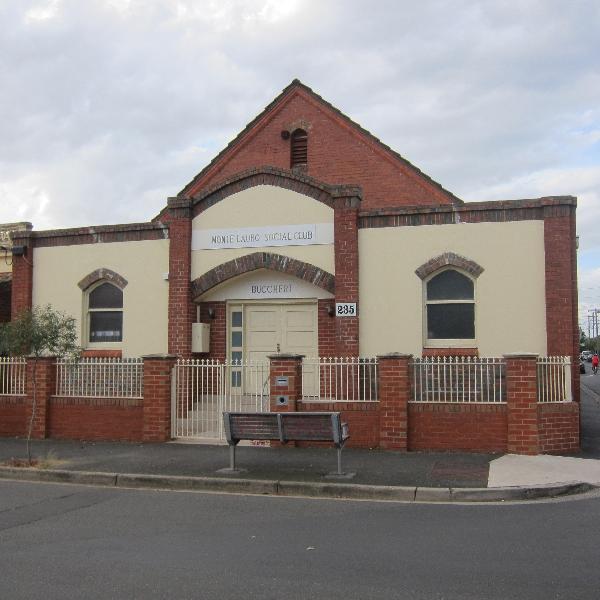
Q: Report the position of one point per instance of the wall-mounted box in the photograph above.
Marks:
(200, 337)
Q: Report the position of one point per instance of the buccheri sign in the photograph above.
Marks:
(257, 237)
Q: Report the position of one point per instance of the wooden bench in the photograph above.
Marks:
(286, 427)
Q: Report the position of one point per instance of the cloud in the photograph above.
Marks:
(109, 107)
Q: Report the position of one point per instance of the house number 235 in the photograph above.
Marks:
(345, 309)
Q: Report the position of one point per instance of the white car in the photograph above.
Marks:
(586, 355)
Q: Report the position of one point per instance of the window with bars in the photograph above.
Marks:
(299, 148)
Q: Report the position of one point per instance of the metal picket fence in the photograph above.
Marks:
(554, 379)
(458, 379)
(12, 376)
(100, 378)
(340, 379)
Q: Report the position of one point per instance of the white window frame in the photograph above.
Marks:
(85, 330)
(450, 342)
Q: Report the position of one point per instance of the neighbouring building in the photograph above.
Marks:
(308, 235)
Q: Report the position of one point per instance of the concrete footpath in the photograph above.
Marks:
(413, 476)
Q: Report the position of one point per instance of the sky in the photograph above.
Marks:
(108, 107)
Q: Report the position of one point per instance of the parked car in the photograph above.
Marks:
(586, 355)
(581, 367)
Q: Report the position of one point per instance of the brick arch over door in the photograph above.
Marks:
(262, 260)
(290, 180)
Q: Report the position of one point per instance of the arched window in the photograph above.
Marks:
(105, 313)
(450, 307)
(299, 148)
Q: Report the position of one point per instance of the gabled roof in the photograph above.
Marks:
(296, 84)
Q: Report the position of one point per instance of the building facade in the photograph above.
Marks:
(307, 235)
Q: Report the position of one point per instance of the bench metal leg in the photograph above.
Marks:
(339, 457)
(232, 457)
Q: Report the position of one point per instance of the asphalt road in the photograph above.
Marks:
(68, 542)
(590, 414)
(590, 380)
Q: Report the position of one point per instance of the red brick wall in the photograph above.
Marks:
(182, 310)
(429, 352)
(156, 420)
(362, 418)
(13, 415)
(218, 329)
(5, 295)
(521, 400)
(346, 277)
(453, 427)
(108, 419)
(561, 285)
(394, 394)
(326, 328)
(22, 283)
(559, 427)
(337, 154)
(45, 377)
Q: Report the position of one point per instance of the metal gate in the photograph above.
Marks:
(203, 389)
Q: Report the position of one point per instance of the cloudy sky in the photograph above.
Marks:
(109, 106)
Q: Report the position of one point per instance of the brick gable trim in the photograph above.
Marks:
(290, 180)
(449, 259)
(262, 260)
(297, 87)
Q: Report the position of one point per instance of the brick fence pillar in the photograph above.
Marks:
(521, 400)
(156, 425)
(394, 393)
(285, 379)
(45, 379)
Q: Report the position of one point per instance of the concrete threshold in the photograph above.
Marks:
(349, 491)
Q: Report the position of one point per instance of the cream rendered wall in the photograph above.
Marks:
(510, 310)
(58, 270)
(262, 206)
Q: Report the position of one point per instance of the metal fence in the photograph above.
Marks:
(12, 376)
(100, 378)
(204, 389)
(554, 379)
(344, 379)
(458, 379)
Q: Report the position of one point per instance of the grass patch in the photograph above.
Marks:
(49, 461)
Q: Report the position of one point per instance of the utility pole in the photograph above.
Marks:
(593, 322)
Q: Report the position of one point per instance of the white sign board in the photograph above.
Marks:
(258, 237)
(345, 309)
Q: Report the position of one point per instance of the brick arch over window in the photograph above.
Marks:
(263, 260)
(290, 180)
(449, 259)
(103, 274)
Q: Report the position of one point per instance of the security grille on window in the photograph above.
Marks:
(105, 314)
(450, 305)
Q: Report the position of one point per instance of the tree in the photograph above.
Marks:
(41, 331)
